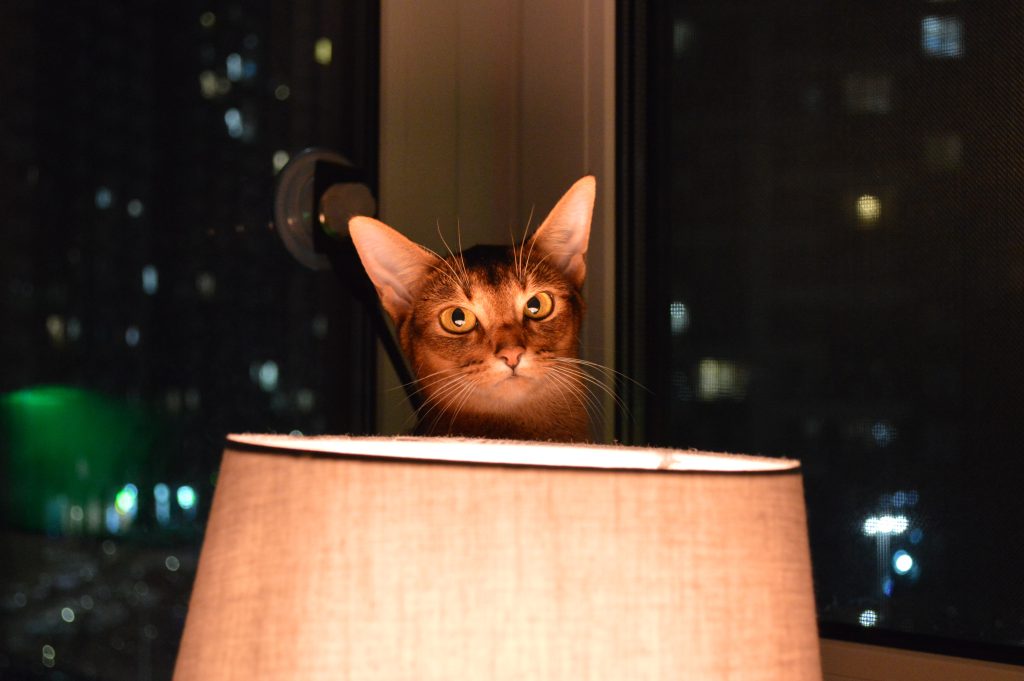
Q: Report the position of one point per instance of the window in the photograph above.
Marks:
(821, 259)
(147, 305)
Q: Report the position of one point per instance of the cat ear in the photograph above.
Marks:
(397, 266)
(563, 236)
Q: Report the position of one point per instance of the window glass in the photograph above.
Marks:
(147, 305)
(833, 268)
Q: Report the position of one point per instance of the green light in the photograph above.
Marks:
(186, 497)
(64, 443)
(126, 498)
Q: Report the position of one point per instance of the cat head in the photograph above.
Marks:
(484, 329)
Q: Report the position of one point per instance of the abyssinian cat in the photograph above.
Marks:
(492, 334)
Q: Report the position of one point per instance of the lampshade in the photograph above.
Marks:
(435, 558)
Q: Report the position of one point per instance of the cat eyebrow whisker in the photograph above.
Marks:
(462, 254)
(453, 279)
(464, 276)
(520, 265)
(515, 257)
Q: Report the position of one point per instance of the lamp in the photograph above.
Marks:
(436, 558)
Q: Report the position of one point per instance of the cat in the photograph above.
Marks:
(492, 333)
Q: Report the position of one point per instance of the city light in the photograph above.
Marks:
(883, 433)
(902, 562)
(104, 198)
(720, 379)
(279, 160)
(322, 51)
(132, 336)
(186, 497)
(208, 84)
(869, 210)
(282, 92)
(679, 317)
(126, 500)
(55, 327)
(269, 375)
(150, 279)
(942, 37)
(162, 496)
(886, 525)
(233, 65)
(233, 121)
(206, 284)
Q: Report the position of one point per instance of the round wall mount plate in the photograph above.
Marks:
(294, 211)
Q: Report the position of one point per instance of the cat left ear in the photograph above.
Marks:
(397, 266)
(563, 236)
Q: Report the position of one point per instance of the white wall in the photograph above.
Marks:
(490, 109)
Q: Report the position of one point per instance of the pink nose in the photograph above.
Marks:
(511, 355)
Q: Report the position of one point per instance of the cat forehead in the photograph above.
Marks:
(495, 269)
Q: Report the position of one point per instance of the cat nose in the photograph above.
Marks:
(511, 355)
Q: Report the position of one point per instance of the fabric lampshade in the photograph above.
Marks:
(432, 558)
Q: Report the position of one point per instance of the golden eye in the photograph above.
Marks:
(539, 305)
(458, 320)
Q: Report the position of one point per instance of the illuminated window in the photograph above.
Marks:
(942, 37)
(104, 198)
(150, 279)
(279, 159)
(869, 211)
(679, 317)
(233, 64)
(682, 37)
(322, 51)
(233, 121)
(719, 379)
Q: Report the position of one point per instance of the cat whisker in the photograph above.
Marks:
(591, 381)
(447, 382)
(599, 367)
(466, 394)
(461, 256)
(583, 395)
(556, 381)
(578, 392)
(421, 379)
(454, 397)
(464, 276)
(438, 399)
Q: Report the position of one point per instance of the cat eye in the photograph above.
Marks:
(458, 320)
(539, 305)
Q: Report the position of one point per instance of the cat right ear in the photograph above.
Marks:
(397, 266)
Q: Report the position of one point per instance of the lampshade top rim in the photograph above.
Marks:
(443, 450)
